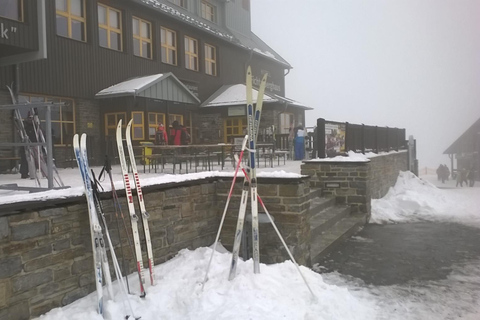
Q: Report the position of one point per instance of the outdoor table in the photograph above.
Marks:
(184, 152)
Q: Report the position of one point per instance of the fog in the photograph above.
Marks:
(411, 64)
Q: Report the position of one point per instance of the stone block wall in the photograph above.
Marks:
(45, 247)
(384, 172)
(288, 202)
(46, 257)
(356, 183)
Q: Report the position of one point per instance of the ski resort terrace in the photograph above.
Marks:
(46, 247)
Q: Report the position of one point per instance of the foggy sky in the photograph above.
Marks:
(411, 64)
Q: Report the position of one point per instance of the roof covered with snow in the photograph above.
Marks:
(236, 94)
(163, 86)
(249, 42)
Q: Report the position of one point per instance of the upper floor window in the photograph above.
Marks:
(142, 38)
(180, 3)
(12, 9)
(71, 21)
(109, 27)
(169, 46)
(210, 60)
(191, 53)
(209, 11)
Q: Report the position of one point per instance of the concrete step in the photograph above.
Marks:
(324, 243)
(319, 204)
(327, 218)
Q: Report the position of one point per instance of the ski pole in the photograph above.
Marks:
(244, 144)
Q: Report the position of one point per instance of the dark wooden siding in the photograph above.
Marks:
(81, 69)
(25, 37)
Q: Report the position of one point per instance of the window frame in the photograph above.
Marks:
(136, 125)
(155, 125)
(242, 125)
(28, 97)
(179, 3)
(69, 16)
(210, 63)
(212, 14)
(114, 126)
(21, 15)
(189, 55)
(164, 45)
(282, 118)
(142, 39)
(109, 28)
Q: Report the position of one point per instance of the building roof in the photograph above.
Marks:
(236, 95)
(163, 86)
(249, 42)
(468, 142)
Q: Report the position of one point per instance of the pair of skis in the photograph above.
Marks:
(34, 154)
(250, 184)
(131, 207)
(94, 205)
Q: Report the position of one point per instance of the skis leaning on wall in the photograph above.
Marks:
(253, 121)
(131, 209)
(98, 244)
(34, 154)
(141, 202)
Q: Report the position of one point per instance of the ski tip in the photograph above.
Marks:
(249, 70)
(265, 76)
(130, 123)
(119, 125)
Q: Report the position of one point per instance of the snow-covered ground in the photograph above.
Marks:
(279, 292)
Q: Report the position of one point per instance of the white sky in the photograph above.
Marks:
(411, 64)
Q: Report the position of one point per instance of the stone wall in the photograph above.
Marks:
(356, 183)
(288, 203)
(46, 258)
(45, 247)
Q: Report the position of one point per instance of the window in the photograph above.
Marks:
(71, 22)
(109, 28)
(63, 122)
(169, 46)
(175, 117)
(210, 60)
(153, 120)
(209, 11)
(180, 3)
(191, 54)
(137, 125)
(286, 123)
(235, 127)
(111, 122)
(142, 38)
(12, 9)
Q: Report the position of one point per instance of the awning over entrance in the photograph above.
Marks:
(158, 86)
(235, 95)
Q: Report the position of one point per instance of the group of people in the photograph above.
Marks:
(443, 172)
(176, 136)
(466, 176)
(463, 175)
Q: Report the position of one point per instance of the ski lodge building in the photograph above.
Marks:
(153, 61)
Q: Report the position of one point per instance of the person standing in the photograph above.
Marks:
(161, 137)
(471, 177)
(299, 143)
(175, 134)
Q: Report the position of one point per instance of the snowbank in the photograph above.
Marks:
(413, 199)
(277, 293)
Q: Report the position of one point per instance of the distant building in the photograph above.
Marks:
(466, 150)
(153, 61)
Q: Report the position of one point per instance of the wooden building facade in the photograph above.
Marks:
(71, 50)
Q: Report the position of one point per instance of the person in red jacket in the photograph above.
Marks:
(161, 137)
(175, 134)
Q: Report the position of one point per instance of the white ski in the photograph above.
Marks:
(131, 209)
(141, 202)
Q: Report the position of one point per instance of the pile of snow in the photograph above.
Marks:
(351, 157)
(413, 199)
(277, 293)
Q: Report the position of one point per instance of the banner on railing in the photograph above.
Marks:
(334, 138)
